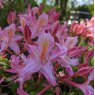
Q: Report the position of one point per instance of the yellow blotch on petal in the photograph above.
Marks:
(10, 32)
(45, 46)
(23, 22)
(41, 23)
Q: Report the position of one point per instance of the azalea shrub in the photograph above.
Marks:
(41, 56)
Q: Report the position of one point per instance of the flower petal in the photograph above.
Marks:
(30, 67)
(14, 46)
(22, 21)
(47, 71)
(33, 51)
(42, 20)
(3, 46)
(18, 37)
(74, 62)
(11, 30)
(71, 42)
(45, 42)
(87, 89)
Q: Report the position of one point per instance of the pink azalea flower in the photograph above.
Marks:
(41, 54)
(24, 69)
(36, 25)
(67, 62)
(15, 66)
(31, 22)
(38, 61)
(77, 29)
(85, 87)
(62, 32)
(9, 39)
(64, 59)
(84, 29)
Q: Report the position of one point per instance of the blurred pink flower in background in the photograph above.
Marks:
(84, 29)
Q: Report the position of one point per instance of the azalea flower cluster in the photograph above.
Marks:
(84, 29)
(40, 45)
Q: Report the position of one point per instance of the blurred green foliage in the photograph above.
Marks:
(61, 5)
(86, 8)
(91, 9)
